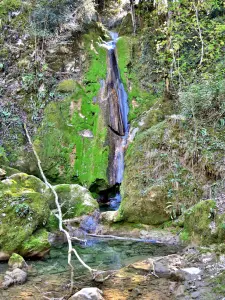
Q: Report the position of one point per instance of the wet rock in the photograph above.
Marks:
(88, 294)
(90, 223)
(16, 261)
(17, 276)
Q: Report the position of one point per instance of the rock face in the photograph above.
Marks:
(24, 206)
(76, 200)
(88, 294)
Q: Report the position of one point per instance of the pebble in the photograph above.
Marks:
(195, 295)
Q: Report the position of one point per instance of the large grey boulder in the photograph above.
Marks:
(17, 276)
(88, 294)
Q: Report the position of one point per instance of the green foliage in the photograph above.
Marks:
(48, 16)
(9, 5)
(205, 101)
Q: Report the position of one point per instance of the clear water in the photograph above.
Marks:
(100, 254)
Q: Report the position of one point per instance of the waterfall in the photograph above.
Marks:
(116, 114)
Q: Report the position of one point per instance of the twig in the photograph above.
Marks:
(69, 240)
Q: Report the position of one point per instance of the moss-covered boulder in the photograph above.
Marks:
(16, 261)
(75, 200)
(157, 184)
(36, 245)
(23, 209)
(146, 209)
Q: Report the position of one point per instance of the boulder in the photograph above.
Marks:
(88, 294)
(157, 182)
(16, 261)
(24, 207)
(108, 217)
(17, 276)
(75, 200)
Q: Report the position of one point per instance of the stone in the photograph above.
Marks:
(108, 217)
(16, 261)
(24, 207)
(180, 291)
(17, 276)
(192, 270)
(195, 295)
(88, 294)
(77, 200)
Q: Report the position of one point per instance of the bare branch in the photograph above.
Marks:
(68, 237)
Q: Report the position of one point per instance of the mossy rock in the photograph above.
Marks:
(75, 199)
(157, 185)
(24, 207)
(146, 209)
(16, 261)
(36, 245)
(197, 221)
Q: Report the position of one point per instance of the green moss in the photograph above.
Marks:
(139, 99)
(16, 225)
(67, 155)
(52, 223)
(37, 243)
(185, 236)
(16, 259)
(218, 282)
(197, 221)
(67, 85)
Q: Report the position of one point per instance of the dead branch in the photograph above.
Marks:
(121, 238)
(69, 240)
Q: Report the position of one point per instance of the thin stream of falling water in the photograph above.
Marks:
(118, 111)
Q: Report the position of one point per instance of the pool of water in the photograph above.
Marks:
(99, 254)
